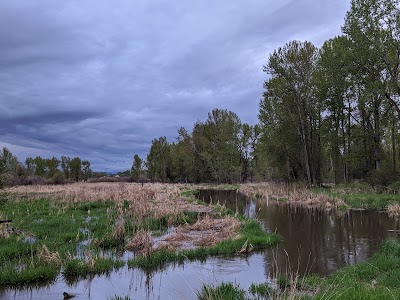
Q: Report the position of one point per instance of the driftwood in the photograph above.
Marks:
(246, 248)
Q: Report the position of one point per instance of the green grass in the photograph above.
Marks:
(13, 275)
(261, 291)
(70, 230)
(224, 291)
(377, 278)
(233, 291)
(357, 198)
(61, 228)
(79, 268)
(251, 230)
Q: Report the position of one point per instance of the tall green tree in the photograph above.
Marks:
(290, 111)
(40, 166)
(75, 166)
(51, 166)
(373, 26)
(137, 168)
(158, 160)
(86, 171)
(66, 166)
(8, 166)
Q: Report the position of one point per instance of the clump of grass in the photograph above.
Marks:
(141, 242)
(93, 265)
(14, 275)
(393, 210)
(224, 291)
(48, 257)
(251, 231)
(261, 290)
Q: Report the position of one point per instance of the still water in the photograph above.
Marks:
(314, 242)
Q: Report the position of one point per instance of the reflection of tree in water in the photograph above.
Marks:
(137, 277)
(314, 240)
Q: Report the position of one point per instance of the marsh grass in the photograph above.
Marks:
(67, 222)
(251, 231)
(224, 291)
(342, 197)
(93, 265)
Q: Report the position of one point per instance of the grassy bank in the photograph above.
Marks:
(344, 196)
(359, 197)
(377, 278)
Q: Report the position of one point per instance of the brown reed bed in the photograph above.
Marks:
(151, 201)
(207, 231)
(289, 193)
(138, 204)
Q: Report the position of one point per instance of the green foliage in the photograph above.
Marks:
(224, 291)
(79, 268)
(64, 230)
(11, 276)
(261, 291)
(137, 168)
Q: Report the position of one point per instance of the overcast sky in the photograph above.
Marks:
(100, 79)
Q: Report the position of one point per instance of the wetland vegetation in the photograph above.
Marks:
(78, 230)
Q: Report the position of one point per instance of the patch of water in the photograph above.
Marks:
(315, 241)
(28, 239)
(173, 282)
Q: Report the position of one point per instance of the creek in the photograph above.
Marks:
(315, 241)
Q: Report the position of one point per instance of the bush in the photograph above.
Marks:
(382, 178)
(58, 177)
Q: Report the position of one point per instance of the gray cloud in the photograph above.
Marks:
(101, 79)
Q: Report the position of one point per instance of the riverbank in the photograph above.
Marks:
(342, 197)
(377, 278)
(79, 229)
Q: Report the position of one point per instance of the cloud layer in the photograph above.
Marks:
(101, 79)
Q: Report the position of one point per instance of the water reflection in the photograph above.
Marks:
(315, 240)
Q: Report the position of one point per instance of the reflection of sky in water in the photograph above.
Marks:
(251, 209)
(174, 282)
(314, 241)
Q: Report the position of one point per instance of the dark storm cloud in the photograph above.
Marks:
(101, 79)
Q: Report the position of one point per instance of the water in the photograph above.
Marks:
(315, 242)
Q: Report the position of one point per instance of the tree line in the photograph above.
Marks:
(328, 114)
(41, 170)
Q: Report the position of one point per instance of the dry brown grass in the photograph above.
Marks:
(292, 193)
(394, 210)
(153, 200)
(136, 204)
(141, 241)
(205, 232)
(48, 257)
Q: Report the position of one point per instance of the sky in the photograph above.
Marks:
(101, 79)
